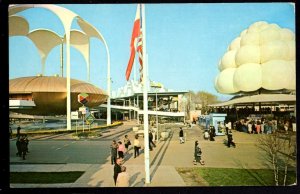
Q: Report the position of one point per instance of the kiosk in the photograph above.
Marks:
(204, 121)
(217, 120)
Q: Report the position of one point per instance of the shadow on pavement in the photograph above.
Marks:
(163, 149)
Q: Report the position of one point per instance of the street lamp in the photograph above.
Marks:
(156, 86)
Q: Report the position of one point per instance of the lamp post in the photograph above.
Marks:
(156, 118)
(108, 121)
(156, 86)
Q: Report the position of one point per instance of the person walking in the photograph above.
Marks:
(26, 142)
(114, 151)
(197, 154)
(206, 135)
(117, 169)
(10, 132)
(249, 127)
(23, 146)
(211, 133)
(121, 150)
(123, 178)
(19, 131)
(136, 146)
(127, 143)
(151, 143)
(253, 127)
(181, 136)
(226, 130)
(18, 144)
(230, 139)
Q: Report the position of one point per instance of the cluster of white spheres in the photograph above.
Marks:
(263, 56)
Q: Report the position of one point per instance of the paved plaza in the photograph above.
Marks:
(164, 159)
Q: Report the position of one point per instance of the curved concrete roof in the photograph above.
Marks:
(50, 94)
(50, 84)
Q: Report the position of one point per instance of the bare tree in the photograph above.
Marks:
(194, 99)
(279, 148)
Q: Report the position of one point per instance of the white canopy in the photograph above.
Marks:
(260, 98)
(45, 40)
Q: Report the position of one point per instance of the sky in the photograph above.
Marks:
(185, 42)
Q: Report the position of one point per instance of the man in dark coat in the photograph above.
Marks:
(181, 136)
(114, 151)
(117, 169)
(23, 146)
(211, 133)
(18, 144)
(18, 131)
(230, 139)
(151, 143)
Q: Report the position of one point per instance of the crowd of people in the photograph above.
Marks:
(118, 153)
(244, 111)
(264, 126)
(22, 144)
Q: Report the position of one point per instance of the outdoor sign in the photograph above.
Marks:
(74, 115)
(89, 118)
(83, 98)
(84, 110)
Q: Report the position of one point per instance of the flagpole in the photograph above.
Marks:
(145, 99)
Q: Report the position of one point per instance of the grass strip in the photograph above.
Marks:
(236, 177)
(45, 177)
(241, 177)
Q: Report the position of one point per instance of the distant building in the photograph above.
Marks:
(46, 95)
(127, 103)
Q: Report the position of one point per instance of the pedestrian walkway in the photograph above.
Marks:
(164, 159)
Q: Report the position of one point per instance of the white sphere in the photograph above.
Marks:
(247, 77)
(235, 44)
(228, 60)
(263, 56)
(274, 50)
(247, 54)
(292, 76)
(276, 75)
(286, 34)
(243, 33)
(292, 50)
(224, 83)
(269, 34)
(250, 39)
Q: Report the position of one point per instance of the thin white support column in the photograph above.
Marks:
(62, 60)
(138, 105)
(145, 99)
(68, 80)
(108, 120)
(134, 115)
(156, 119)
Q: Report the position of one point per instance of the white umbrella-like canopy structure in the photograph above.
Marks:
(46, 40)
(80, 41)
(18, 26)
(263, 56)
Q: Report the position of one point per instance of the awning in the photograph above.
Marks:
(269, 99)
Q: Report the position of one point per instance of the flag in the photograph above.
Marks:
(136, 32)
(140, 52)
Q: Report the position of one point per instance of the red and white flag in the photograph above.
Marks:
(140, 52)
(136, 42)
